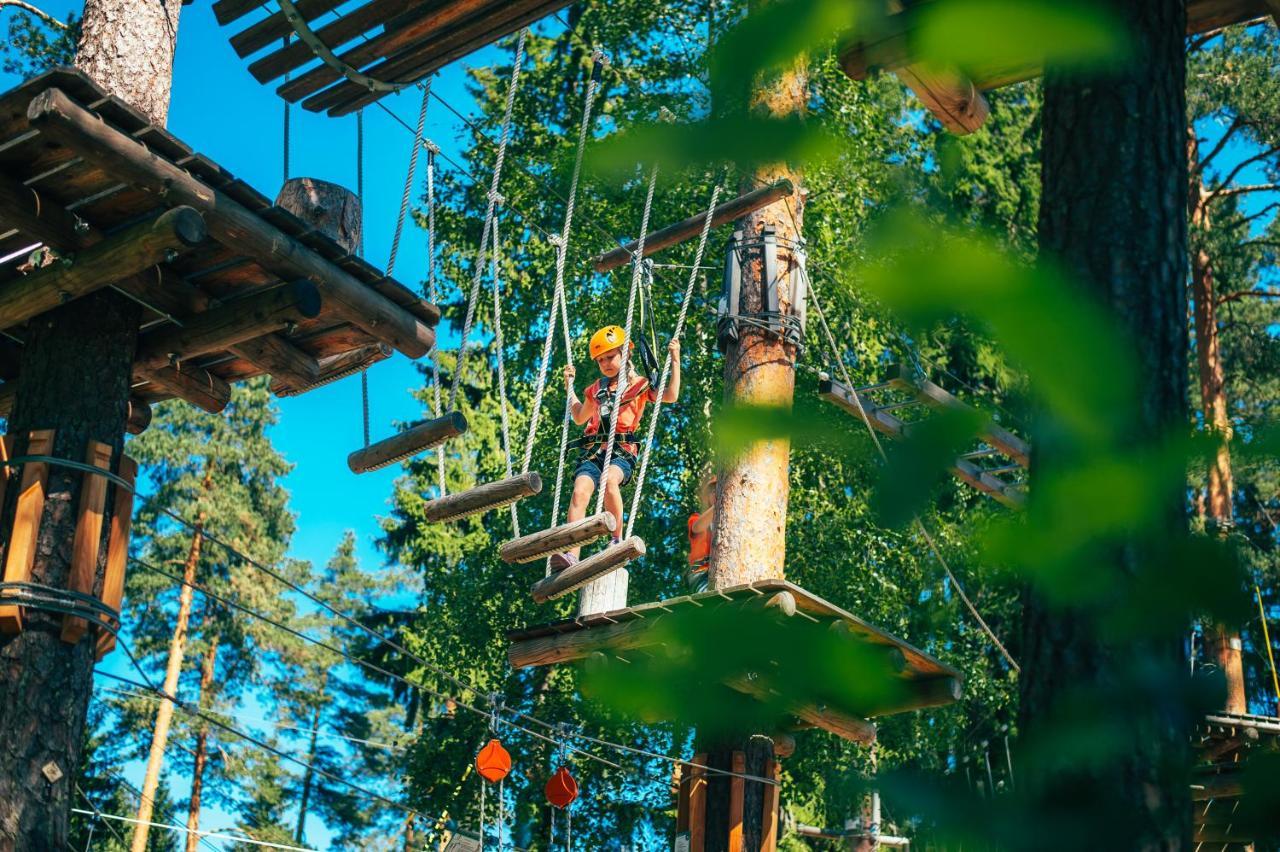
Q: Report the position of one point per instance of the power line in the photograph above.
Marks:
(202, 835)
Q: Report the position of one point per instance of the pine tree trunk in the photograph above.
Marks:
(75, 377)
(1113, 211)
(164, 715)
(1221, 644)
(201, 760)
(309, 778)
(752, 490)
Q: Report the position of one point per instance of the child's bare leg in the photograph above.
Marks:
(613, 498)
(583, 488)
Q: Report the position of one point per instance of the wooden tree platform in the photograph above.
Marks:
(232, 287)
(954, 96)
(1223, 742)
(997, 468)
(392, 43)
(927, 682)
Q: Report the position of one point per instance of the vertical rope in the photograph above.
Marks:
(667, 363)
(502, 815)
(483, 783)
(287, 106)
(502, 369)
(562, 248)
(433, 296)
(408, 179)
(564, 428)
(485, 233)
(624, 375)
(364, 374)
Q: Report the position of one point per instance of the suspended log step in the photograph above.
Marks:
(858, 402)
(333, 368)
(410, 442)
(557, 539)
(483, 498)
(593, 567)
(673, 235)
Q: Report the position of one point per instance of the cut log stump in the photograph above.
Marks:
(410, 442)
(333, 210)
(483, 498)
(557, 539)
(593, 567)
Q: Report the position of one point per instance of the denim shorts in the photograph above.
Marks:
(590, 466)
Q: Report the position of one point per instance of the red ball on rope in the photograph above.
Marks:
(561, 788)
(493, 763)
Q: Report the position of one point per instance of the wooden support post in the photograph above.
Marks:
(921, 694)
(230, 223)
(6, 472)
(673, 235)
(233, 322)
(26, 524)
(332, 368)
(117, 549)
(116, 257)
(139, 416)
(546, 542)
(770, 817)
(416, 439)
(482, 498)
(88, 540)
(737, 788)
(594, 566)
(194, 384)
(698, 804)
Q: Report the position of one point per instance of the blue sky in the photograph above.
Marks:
(221, 111)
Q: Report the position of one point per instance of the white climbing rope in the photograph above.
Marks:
(562, 247)
(624, 375)
(502, 368)
(493, 198)
(433, 296)
(408, 180)
(667, 362)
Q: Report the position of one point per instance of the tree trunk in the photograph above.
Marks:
(1113, 212)
(309, 778)
(173, 670)
(207, 668)
(75, 378)
(752, 490)
(1221, 644)
(127, 47)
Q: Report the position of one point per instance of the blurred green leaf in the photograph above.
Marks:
(738, 427)
(916, 464)
(983, 34)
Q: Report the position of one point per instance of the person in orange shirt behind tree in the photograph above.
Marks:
(610, 351)
(701, 529)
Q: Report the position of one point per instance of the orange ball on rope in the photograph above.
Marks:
(561, 788)
(493, 762)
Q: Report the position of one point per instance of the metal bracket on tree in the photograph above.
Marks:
(785, 324)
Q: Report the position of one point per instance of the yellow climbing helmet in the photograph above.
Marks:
(609, 337)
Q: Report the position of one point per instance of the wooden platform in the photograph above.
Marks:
(926, 681)
(954, 96)
(1223, 742)
(84, 168)
(997, 467)
(393, 42)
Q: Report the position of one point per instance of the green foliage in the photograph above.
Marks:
(33, 45)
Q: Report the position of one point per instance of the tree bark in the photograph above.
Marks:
(1221, 644)
(75, 379)
(1113, 212)
(201, 760)
(752, 491)
(173, 670)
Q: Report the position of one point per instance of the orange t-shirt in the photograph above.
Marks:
(639, 394)
(699, 542)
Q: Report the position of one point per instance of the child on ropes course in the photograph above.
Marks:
(610, 351)
(701, 528)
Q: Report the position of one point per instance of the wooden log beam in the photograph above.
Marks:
(938, 397)
(546, 542)
(64, 121)
(40, 218)
(232, 322)
(833, 721)
(483, 498)
(333, 368)
(416, 439)
(1219, 836)
(593, 567)
(574, 645)
(118, 256)
(687, 229)
(280, 359)
(951, 96)
(117, 548)
(194, 384)
(921, 694)
(88, 538)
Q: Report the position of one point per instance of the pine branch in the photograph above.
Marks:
(1240, 166)
(1236, 123)
(39, 13)
(1226, 192)
(1243, 294)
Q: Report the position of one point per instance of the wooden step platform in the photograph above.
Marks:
(482, 498)
(260, 292)
(997, 468)
(641, 630)
(1223, 743)
(416, 439)
(954, 96)
(542, 543)
(373, 49)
